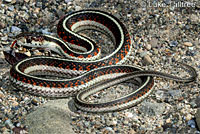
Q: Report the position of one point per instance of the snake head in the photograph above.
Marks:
(13, 57)
(14, 54)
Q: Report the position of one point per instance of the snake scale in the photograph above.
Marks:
(93, 73)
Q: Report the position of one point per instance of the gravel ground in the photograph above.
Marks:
(162, 32)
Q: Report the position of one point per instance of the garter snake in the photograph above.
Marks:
(95, 73)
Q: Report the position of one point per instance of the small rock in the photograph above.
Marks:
(15, 103)
(39, 4)
(45, 31)
(1, 94)
(109, 123)
(114, 122)
(11, 8)
(15, 29)
(87, 124)
(148, 60)
(129, 15)
(154, 42)
(5, 38)
(34, 102)
(168, 120)
(188, 44)
(108, 130)
(188, 117)
(28, 53)
(193, 104)
(79, 124)
(70, 5)
(114, 114)
(160, 95)
(191, 48)
(66, 1)
(59, 12)
(37, 10)
(132, 132)
(194, 18)
(77, 8)
(192, 123)
(142, 53)
(173, 43)
(197, 42)
(191, 52)
(9, 123)
(128, 114)
(126, 122)
(148, 47)
(37, 52)
(4, 130)
(2, 25)
(155, 51)
(179, 22)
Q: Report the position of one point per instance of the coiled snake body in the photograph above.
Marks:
(96, 73)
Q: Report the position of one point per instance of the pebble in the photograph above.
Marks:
(2, 25)
(188, 117)
(46, 31)
(67, 1)
(11, 8)
(148, 60)
(126, 122)
(155, 51)
(193, 104)
(28, 53)
(194, 18)
(34, 102)
(128, 114)
(143, 53)
(1, 95)
(188, 44)
(108, 130)
(192, 123)
(37, 52)
(5, 38)
(132, 131)
(15, 29)
(168, 120)
(77, 8)
(154, 42)
(148, 47)
(87, 124)
(173, 43)
(9, 123)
